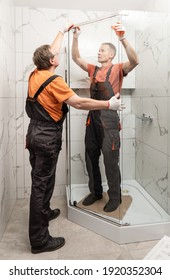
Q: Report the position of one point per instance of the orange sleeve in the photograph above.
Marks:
(60, 90)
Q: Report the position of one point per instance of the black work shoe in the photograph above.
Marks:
(90, 199)
(54, 214)
(52, 244)
(112, 205)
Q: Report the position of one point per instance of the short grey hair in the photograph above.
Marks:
(111, 46)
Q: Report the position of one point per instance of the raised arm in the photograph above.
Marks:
(132, 56)
(131, 53)
(75, 50)
(56, 45)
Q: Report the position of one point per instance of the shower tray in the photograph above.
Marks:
(144, 220)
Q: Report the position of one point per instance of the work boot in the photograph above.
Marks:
(112, 205)
(54, 214)
(52, 244)
(90, 199)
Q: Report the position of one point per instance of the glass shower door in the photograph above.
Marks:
(93, 34)
(144, 213)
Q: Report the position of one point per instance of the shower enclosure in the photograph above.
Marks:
(144, 213)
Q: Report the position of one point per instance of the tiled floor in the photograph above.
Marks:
(81, 244)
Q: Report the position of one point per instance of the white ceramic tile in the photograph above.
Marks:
(20, 166)
(155, 133)
(126, 100)
(7, 114)
(77, 127)
(20, 193)
(18, 30)
(78, 167)
(127, 159)
(155, 175)
(128, 126)
(168, 191)
(42, 25)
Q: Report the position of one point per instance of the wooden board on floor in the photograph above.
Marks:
(97, 207)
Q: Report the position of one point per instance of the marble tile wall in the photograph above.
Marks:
(151, 98)
(7, 113)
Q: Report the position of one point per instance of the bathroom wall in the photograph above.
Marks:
(152, 98)
(7, 112)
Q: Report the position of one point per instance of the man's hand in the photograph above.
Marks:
(115, 103)
(76, 31)
(66, 27)
(119, 30)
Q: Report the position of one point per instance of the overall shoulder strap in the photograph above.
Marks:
(95, 71)
(108, 73)
(49, 80)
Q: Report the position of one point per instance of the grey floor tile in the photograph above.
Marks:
(81, 244)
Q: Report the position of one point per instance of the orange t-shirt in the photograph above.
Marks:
(115, 78)
(53, 95)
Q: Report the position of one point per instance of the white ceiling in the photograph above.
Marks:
(90, 5)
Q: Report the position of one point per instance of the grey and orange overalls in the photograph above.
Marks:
(102, 135)
(43, 140)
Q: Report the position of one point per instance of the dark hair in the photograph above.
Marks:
(42, 56)
(111, 46)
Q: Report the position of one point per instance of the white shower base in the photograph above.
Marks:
(144, 220)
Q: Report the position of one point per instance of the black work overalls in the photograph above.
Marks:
(102, 134)
(43, 140)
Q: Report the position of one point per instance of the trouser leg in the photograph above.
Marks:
(44, 145)
(111, 163)
(43, 180)
(92, 165)
(92, 155)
